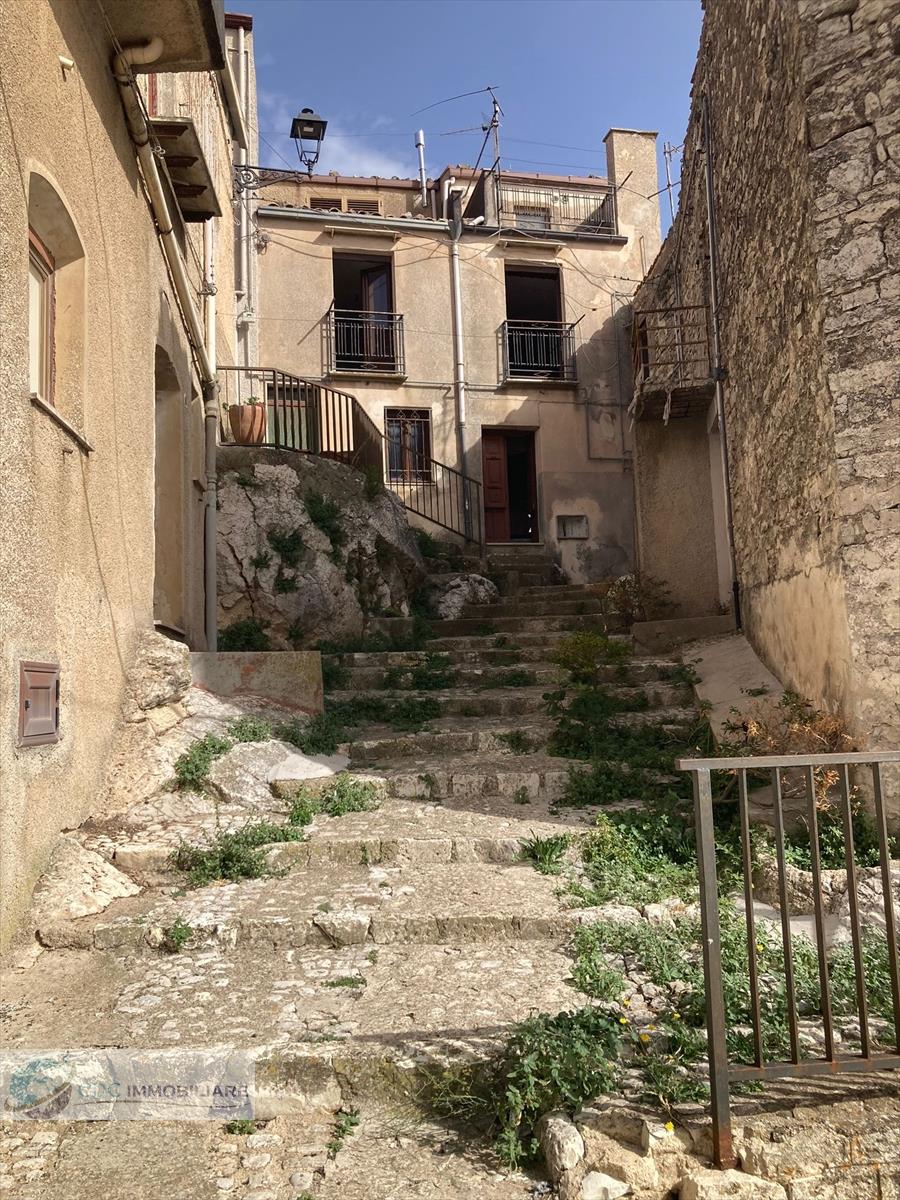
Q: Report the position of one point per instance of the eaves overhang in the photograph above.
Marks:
(192, 31)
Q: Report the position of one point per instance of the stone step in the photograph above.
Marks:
(532, 639)
(517, 606)
(429, 898)
(562, 591)
(507, 655)
(488, 625)
(316, 1021)
(509, 701)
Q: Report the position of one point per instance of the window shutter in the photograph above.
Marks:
(326, 203)
(38, 703)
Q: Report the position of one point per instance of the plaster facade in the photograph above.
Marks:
(805, 138)
(582, 442)
(102, 487)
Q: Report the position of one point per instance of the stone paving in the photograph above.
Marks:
(383, 942)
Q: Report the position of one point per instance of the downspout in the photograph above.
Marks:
(140, 136)
(718, 369)
(459, 350)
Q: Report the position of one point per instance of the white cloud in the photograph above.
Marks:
(346, 155)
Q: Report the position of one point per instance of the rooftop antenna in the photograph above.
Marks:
(669, 152)
(494, 127)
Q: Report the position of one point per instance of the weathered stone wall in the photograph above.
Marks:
(851, 74)
(806, 198)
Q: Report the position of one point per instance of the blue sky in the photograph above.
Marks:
(564, 71)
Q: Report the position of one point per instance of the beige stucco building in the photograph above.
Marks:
(795, 152)
(103, 457)
(481, 321)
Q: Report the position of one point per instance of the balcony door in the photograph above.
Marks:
(510, 486)
(536, 340)
(363, 313)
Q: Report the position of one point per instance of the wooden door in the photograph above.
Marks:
(496, 487)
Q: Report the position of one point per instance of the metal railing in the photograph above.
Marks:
(670, 347)
(312, 418)
(722, 1072)
(538, 350)
(590, 211)
(365, 341)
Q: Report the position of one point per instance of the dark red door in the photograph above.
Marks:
(496, 487)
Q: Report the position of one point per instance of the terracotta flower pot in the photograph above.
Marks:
(248, 424)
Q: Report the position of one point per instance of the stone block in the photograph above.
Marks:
(850, 1183)
(709, 1184)
(561, 1144)
(597, 1186)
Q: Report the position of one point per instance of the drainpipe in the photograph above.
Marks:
(718, 369)
(140, 136)
(244, 285)
(459, 351)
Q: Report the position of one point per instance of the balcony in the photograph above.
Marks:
(538, 350)
(548, 209)
(365, 343)
(671, 361)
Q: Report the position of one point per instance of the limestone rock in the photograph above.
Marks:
(241, 777)
(709, 1184)
(160, 674)
(277, 566)
(561, 1144)
(597, 1186)
(78, 883)
(344, 929)
(450, 597)
(302, 767)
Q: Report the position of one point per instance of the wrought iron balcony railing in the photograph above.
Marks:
(309, 417)
(551, 209)
(538, 350)
(368, 342)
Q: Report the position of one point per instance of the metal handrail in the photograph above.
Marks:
(722, 1073)
(310, 417)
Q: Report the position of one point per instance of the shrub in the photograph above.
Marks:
(192, 766)
(325, 514)
(582, 653)
(288, 544)
(249, 729)
(246, 634)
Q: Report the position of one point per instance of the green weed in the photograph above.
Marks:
(288, 544)
(192, 766)
(234, 855)
(546, 854)
(516, 741)
(345, 1123)
(246, 634)
(325, 514)
(514, 677)
(176, 936)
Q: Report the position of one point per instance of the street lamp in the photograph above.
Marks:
(308, 130)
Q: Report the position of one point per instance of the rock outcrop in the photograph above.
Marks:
(307, 551)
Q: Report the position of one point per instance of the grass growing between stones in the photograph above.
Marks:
(431, 674)
(546, 854)
(234, 855)
(512, 678)
(345, 1122)
(345, 794)
(516, 741)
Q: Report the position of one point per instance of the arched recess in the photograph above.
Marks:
(168, 579)
(52, 231)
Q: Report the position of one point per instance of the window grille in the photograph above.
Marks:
(408, 433)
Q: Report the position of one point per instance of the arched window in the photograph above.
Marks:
(56, 301)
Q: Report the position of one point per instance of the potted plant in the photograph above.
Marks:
(248, 421)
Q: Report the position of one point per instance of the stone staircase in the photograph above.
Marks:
(387, 941)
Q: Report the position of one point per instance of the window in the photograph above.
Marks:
(408, 433)
(325, 203)
(56, 307)
(38, 703)
(530, 217)
(538, 344)
(40, 318)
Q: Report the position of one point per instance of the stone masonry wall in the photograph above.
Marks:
(851, 74)
(805, 180)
